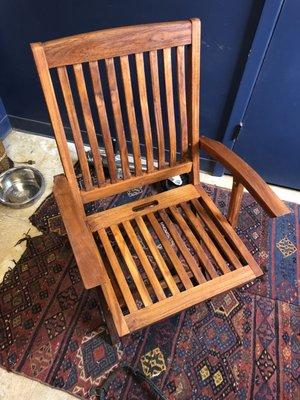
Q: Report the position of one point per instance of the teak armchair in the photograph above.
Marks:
(195, 251)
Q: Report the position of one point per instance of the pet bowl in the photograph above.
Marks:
(21, 187)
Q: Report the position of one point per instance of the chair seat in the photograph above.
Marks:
(170, 251)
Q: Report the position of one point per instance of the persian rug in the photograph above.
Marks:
(241, 345)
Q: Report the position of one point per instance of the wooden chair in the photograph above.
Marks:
(158, 59)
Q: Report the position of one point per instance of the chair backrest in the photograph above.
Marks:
(102, 69)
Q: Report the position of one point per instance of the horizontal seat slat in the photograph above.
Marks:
(125, 212)
(235, 241)
(158, 290)
(170, 251)
(137, 278)
(184, 215)
(188, 298)
(205, 238)
(207, 264)
(167, 276)
(194, 267)
(129, 300)
(217, 235)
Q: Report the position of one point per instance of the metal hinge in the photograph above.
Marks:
(236, 131)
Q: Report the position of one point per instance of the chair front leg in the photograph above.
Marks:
(235, 202)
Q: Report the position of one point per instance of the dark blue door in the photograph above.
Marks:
(270, 138)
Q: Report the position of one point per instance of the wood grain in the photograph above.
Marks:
(216, 233)
(181, 86)
(114, 42)
(235, 202)
(125, 212)
(72, 115)
(157, 255)
(89, 262)
(136, 181)
(118, 273)
(102, 115)
(50, 97)
(170, 251)
(126, 76)
(205, 261)
(170, 104)
(194, 103)
(188, 298)
(115, 101)
(134, 272)
(194, 267)
(205, 238)
(137, 238)
(140, 69)
(89, 123)
(157, 108)
(144, 260)
(246, 175)
(235, 241)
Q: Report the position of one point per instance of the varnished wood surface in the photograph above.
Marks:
(136, 181)
(176, 303)
(140, 207)
(246, 175)
(192, 222)
(102, 114)
(173, 249)
(113, 42)
(235, 202)
(51, 101)
(146, 46)
(81, 239)
(73, 119)
(194, 101)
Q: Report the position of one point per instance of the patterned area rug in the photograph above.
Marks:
(240, 345)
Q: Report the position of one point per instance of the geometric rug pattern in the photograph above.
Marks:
(243, 344)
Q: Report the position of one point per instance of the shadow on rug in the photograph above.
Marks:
(240, 345)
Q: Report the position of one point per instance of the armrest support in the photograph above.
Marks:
(82, 241)
(243, 173)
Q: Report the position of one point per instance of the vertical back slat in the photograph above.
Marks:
(181, 119)
(115, 100)
(125, 69)
(89, 124)
(194, 99)
(170, 104)
(139, 58)
(157, 108)
(60, 137)
(102, 114)
(72, 115)
(182, 100)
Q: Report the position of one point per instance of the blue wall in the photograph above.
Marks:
(228, 29)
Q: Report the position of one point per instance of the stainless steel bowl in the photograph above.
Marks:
(21, 187)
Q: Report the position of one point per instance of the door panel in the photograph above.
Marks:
(270, 138)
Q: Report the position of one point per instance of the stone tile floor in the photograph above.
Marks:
(14, 224)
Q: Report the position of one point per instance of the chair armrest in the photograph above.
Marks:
(243, 173)
(81, 239)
